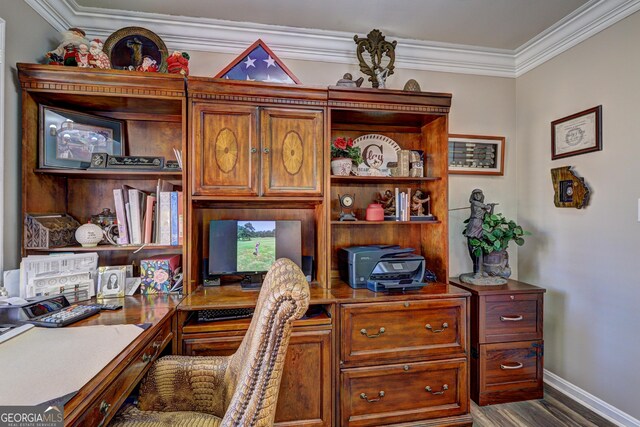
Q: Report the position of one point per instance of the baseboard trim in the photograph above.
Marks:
(590, 401)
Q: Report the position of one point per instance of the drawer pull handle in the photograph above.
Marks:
(266, 151)
(104, 410)
(445, 387)
(511, 318)
(146, 357)
(364, 332)
(508, 367)
(254, 150)
(445, 325)
(375, 399)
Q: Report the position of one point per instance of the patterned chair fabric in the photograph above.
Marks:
(238, 390)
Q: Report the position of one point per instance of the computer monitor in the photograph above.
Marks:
(248, 247)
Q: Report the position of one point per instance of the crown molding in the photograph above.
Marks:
(573, 29)
(219, 36)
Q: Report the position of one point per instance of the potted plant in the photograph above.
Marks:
(343, 156)
(491, 247)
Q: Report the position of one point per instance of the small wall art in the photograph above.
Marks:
(258, 63)
(570, 190)
(576, 134)
(476, 154)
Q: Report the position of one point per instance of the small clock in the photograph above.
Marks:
(346, 207)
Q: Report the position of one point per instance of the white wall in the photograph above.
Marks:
(481, 105)
(587, 259)
(28, 37)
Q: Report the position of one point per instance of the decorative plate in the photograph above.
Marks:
(128, 47)
(377, 151)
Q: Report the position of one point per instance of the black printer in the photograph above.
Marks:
(381, 267)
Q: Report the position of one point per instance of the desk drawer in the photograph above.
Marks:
(511, 367)
(403, 393)
(107, 405)
(511, 318)
(407, 330)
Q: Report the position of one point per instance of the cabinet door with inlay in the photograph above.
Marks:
(225, 150)
(292, 142)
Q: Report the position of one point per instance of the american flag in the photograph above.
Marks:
(258, 63)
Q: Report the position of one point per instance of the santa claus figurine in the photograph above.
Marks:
(178, 63)
(65, 53)
(97, 58)
(148, 64)
(82, 56)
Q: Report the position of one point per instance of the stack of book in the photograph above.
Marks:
(149, 218)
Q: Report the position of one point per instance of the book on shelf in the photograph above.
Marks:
(164, 218)
(149, 214)
(121, 216)
(174, 218)
(180, 219)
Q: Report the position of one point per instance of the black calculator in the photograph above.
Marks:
(57, 312)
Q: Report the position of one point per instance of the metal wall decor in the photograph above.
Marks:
(377, 48)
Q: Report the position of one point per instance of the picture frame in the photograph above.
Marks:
(476, 154)
(576, 134)
(68, 139)
(128, 47)
(112, 281)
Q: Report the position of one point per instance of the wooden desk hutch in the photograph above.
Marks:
(368, 359)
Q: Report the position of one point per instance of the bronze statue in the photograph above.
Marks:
(417, 203)
(474, 224)
(388, 202)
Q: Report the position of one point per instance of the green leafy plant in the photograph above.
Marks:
(497, 232)
(343, 148)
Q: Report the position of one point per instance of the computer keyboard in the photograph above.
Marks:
(213, 315)
(65, 316)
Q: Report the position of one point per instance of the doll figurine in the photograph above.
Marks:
(82, 56)
(97, 58)
(148, 64)
(178, 63)
(65, 53)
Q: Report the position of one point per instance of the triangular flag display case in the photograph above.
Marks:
(258, 63)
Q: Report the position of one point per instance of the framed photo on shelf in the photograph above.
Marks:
(112, 281)
(68, 138)
(476, 154)
(576, 134)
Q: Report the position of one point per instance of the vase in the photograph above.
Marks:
(89, 235)
(341, 166)
(497, 264)
(374, 212)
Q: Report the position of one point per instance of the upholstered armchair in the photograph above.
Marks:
(238, 390)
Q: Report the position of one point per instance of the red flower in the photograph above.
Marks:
(340, 143)
(350, 142)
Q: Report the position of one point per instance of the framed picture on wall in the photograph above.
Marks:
(576, 134)
(476, 154)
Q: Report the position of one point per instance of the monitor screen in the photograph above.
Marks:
(246, 246)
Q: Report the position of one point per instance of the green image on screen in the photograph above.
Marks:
(256, 245)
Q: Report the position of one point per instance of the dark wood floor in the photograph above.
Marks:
(555, 410)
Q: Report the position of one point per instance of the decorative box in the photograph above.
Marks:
(157, 273)
(47, 231)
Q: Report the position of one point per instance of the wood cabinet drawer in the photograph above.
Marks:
(305, 388)
(407, 330)
(511, 367)
(107, 405)
(511, 318)
(403, 393)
